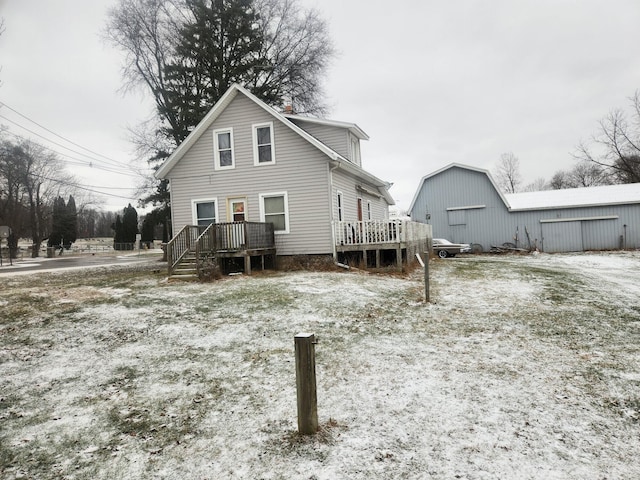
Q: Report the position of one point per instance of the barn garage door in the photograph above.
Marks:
(600, 235)
(562, 237)
(579, 234)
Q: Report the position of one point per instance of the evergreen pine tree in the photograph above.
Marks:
(57, 223)
(221, 45)
(129, 226)
(117, 237)
(148, 227)
(70, 231)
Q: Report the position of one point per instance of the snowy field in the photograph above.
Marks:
(523, 367)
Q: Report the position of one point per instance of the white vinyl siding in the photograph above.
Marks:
(223, 149)
(274, 208)
(264, 151)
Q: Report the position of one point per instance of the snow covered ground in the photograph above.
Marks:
(523, 367)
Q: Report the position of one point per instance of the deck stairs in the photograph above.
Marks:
(191, 248)
(187, 269)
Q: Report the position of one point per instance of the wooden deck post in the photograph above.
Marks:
(306, 383)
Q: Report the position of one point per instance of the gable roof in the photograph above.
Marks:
(448, 167)
(550, 199)
(337, 160)
(352, 127)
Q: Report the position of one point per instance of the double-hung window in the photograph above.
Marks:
(264, 151)
(274, 208)
(223, 149)
(204, 211)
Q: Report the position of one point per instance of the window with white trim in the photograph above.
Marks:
(368, 210)
(223, 149)
(264, 152)
(274, 208)
(339, 204)
(204, 211)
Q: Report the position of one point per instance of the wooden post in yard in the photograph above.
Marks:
(306, 383)
(426, 277)
(425, 265)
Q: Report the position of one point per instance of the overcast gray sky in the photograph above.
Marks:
(431, 82)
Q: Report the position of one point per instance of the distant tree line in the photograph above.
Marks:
(31, 179)
(33, 188)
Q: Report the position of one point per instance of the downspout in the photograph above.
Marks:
(331, 216)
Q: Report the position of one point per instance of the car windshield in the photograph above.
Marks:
(441, 241)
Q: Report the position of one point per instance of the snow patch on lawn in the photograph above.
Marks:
(504, 375)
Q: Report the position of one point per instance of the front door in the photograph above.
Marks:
(237, 213)
(237, 209)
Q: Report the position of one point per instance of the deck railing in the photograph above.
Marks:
(354, 233)
(227, 237)
(367, 232)
(182, 243)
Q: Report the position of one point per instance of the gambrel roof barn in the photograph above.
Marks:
(464, 204)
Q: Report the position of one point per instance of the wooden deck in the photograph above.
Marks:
(377, 240)
(244, 240)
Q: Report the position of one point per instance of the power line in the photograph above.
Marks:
(89, 163)
(3, 104)
(78, 161)
(75, 185)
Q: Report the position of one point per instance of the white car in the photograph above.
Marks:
(444, 248)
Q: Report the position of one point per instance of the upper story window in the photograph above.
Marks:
(223, 149)
(339, 202)
(264, 152)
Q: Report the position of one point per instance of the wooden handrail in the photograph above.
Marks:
(230, 236)
(181, 244)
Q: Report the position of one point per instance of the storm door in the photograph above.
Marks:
(237, 213)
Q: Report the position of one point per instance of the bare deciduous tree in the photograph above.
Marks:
(31, 178)
(583, 174)
(187, 53)
(538, 185)
(617, 144)
(508, 173)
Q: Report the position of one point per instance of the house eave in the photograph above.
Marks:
(382, 186)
